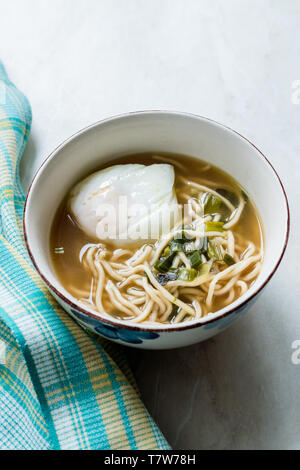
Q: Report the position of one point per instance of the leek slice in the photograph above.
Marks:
(212, 226)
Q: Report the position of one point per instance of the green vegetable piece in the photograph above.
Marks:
(228, 259)
(232, 197)
(215, 252)
(164, 263)
(204, 247)
(185, 274)
(176, 245)
(212, 226)
(204, 270)
(167, 251)
(219, 252)
(195, 259)
(211, 203)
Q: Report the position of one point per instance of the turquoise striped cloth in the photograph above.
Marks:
(59, 387)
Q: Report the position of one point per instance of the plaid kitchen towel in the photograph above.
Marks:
(59, 388)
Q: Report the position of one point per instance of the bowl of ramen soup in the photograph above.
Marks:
(156, 229)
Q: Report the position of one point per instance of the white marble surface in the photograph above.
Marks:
(235, 61)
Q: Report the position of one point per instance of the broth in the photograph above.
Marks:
(68, 242)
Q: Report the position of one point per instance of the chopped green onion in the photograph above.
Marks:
(228, 259)
(203, 272)
(195, 259)
(185, 274)
(215, 251)
(232, 197)
(176, 245)
(187, 247)
(173, 314)
(197, 245)
(167, 251)
(211, 203)
(164, 263)
(212, 226)
(219, 252)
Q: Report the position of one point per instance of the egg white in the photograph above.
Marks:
(127, 203)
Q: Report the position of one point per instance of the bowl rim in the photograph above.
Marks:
(168, 328)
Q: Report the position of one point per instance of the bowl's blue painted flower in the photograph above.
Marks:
(112, 332)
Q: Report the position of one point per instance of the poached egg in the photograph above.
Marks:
(127, 203)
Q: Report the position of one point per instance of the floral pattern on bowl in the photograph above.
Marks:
(114, 333)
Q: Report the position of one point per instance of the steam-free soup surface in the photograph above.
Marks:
(238, 250)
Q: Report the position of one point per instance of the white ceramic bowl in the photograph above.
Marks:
(157, 131)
